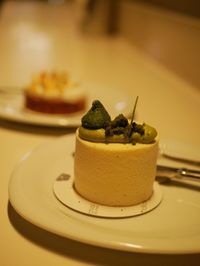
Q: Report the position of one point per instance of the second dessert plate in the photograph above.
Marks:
(115, 101)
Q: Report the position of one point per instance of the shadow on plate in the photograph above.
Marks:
(91, 254)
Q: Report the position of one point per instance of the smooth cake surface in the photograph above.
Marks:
(115, 174)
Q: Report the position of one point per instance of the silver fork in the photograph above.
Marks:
(176, 172)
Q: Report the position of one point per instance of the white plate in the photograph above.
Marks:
(171, 228)
(115, 101)
(180, 150)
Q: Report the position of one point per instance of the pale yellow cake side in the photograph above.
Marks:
(114, 174)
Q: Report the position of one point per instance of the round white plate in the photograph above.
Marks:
(171, 228)
(114, 100)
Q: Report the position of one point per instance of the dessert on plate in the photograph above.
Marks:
(115, 159)
(54, 93)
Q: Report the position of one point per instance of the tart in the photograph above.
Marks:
(54, 93)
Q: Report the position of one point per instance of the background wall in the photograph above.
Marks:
(169, 36)
(188, 7)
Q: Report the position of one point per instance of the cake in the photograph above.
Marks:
(54, 93)
(115, 160)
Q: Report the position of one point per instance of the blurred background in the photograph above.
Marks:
(30, 31)
(149, 48)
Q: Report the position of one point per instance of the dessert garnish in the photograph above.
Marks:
(97, 126)
(51, 84)
(97, 117)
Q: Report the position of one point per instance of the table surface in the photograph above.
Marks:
(35, 36)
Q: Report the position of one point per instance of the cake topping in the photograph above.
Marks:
(97, 126)
(54, 85)
(49, 81)
(97, 117)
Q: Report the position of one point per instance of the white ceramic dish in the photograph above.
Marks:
(115, 101)
(171, 228)
(185, 152)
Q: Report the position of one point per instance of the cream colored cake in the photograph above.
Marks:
(115, 160)
(115, 174)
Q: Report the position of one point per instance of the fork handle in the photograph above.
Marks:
(180, 173)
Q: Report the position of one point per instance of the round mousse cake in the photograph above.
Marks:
(54, 93)
(115, 174)
(115, 161)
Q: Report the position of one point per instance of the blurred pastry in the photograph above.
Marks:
(54, 93)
